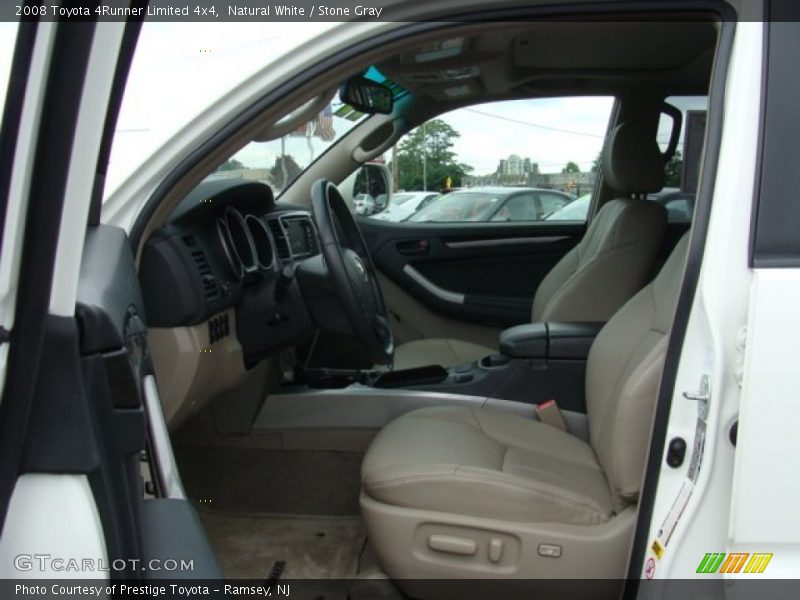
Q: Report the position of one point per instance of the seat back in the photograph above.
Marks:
(623, 374)
(610, 264)
(616, 256)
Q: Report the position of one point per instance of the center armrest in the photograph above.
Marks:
(524, 341)
(549, 340)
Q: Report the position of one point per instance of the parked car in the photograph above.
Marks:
(381, 201)
(679, 205)
(493, 204)
(574, 211)
(404, 204)
(365, 204)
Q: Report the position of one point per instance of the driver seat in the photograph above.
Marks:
(453, 492)
(611, 263)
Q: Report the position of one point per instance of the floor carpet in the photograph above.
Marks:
(270, 548)
(246, 480)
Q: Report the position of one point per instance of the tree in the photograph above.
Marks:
(433, 142)
(673, 172)
(571, 167)
(231, 165)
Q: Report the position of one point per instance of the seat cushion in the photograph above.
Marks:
(486, 463)
(420, 353)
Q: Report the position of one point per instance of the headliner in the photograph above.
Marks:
(548, 59)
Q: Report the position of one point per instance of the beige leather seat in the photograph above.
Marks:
(450, 492)
(610, 264)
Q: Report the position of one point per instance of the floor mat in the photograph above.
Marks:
(279, 547)
(242, 480)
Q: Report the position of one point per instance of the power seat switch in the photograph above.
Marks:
(550, 550)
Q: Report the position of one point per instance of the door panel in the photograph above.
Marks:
(474, 272)
(412, 320)
(118, 369)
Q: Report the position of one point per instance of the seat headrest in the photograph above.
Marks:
(632, 162)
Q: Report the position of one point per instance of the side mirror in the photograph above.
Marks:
(372, 180)
(367, 96)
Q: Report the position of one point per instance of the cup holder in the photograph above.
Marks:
(494, 361)
(430, 375)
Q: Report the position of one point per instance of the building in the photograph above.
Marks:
(513, 170)
(517, 171)
(572, 183)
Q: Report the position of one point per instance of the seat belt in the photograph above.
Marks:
(548, 412)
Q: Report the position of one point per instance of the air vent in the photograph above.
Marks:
(281, 243)
(311, 237)
(210, 287)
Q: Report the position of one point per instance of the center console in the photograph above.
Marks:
(537, 362)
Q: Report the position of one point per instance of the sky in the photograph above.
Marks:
(181, 68)
(551, 132)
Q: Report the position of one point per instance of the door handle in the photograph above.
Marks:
(413, 247)
(702, 396)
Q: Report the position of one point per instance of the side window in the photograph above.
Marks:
(520, 160)
(681, 171)
(551, 203)
(523, 207)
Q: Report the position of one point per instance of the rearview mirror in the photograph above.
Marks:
(367, 96)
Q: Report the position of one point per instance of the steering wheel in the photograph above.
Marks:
(351, 272)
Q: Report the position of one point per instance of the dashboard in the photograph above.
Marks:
(229, 246)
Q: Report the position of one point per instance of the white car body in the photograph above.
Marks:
(574, 211)
(400, 211)
(365, 204)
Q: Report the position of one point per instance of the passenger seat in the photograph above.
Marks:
(612, 262)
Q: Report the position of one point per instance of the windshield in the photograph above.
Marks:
(179, 70)
(278, 162)
(459, 206)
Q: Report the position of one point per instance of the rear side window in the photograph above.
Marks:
(682, 169)
(680, 209)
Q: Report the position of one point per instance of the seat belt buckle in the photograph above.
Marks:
(548, 412)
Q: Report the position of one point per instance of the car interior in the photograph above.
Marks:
(390, 403)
